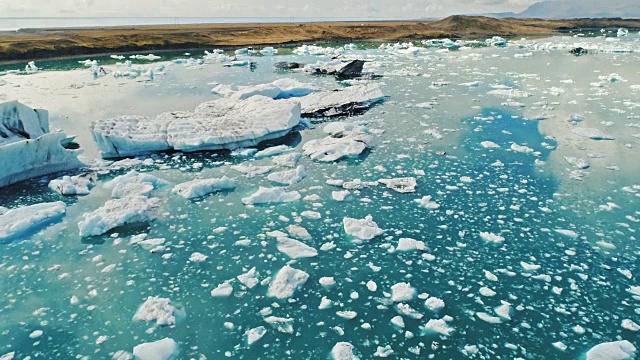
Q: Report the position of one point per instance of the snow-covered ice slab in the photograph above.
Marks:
(21, 221)
(345, 101)
(164, 349)
(201, 187)
(271, 196)
(226, 123)
(286, 282)
(27, 148)
(118, 212)
(616, 350)
(295, 249)
(345, 140)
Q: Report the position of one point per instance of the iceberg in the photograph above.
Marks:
(343, 351)
(201, 187)
(401, 185)
(363, 229)
(157, 309)
(24, 220)
(286, 282)
(295, 249)
(27, 148)
(288, 177)
(164, 349)
(280, 89)
(616, 350)
(116, 213)
(346, 101)
(226, 123)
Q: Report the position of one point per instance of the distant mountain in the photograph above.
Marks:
(569, 9)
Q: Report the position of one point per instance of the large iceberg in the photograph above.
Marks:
(226, 123)
(616, 350)
(27, 148)
(23, 220)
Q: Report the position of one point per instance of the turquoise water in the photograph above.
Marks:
(506, 200)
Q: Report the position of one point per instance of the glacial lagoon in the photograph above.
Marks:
(519, 239)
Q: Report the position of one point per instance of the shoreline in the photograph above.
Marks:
(40, 44)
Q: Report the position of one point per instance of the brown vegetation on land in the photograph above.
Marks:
(29, 44)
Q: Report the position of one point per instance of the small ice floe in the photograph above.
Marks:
(593, 134)
(488, 318)
(630, 325)
(343, 351)
(158, 310)
(299, 232)
(249, 279)
(255, 334)
(226, 123)
(407, 244)
(622, 32)
(521, 148)
(24, 220)
(489, 145)
(344, 101)
(427, 203)
(509, 93)
(575, 119)
(284, 88)
(268, 51)
(201, 187)
(271, 196)
(287, 160)
(491, 237)
(73, 185)
(437, 326)
(346, 140)
(118, 212)
(27, 148)
(578, 162)
(286, 282)
(401, 185)
(31, 67)
(402, 292)
(295, 249)
(568, 233)
(362, 229)
(616, 350)
(288, 177)
(150, 57)
(164, 349)
(223, 290)
(272, 151)
(251, 170)
(197, 257)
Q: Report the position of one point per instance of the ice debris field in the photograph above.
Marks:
(437, 199)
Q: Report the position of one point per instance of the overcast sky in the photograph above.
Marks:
(256, 8)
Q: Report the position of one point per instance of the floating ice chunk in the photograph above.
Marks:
(504, 310)
(402, 292)
(325, 303)
(73, 185)
(283, 325)
(485, 291)
(197, 257)
(251, 170)
(8, 356)
(434, 304)
(383, 352)
(488, 318)
(349, 315)
(118, 212)
(340, 195)
(289, 177)
(521, 148)
(559, 345)
(223, 290)
(272, 151)
(364, 229)
(529, 267)
(19, 222)
(406, 244)
(343, 351)
(491, 237)
(426, 202)
(286, 282)
(593, 134)
(31, 67)
(287, 160)
(346, 140)
(271, 196)
(134, 183)
(298, 232)
(255, 334)
(157, 309)
(568, 233)
(249, 278)
(280, 89)
(401, 185)
(398, 321)
(616, 350)
(268, 51)
(225, 123)
(27, 148)
(438, 326)
(630, 325)
(622, 32)
(201, 187)
(577, 162)
(344, 101)
(327, 282)
(295, 249)
(164, 349)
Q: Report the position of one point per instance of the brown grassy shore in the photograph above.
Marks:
(32, 44)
